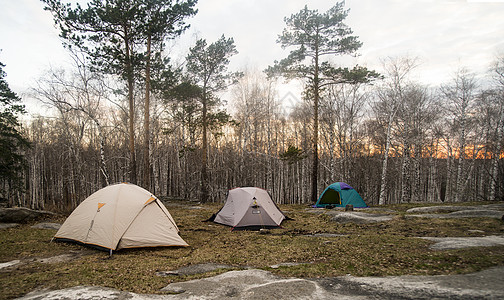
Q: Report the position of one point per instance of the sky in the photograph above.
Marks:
(444, 35)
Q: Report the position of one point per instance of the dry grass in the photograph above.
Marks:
(389, 248)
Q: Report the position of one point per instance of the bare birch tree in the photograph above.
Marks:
(498, 100)
(390, 100)
(81, 93)
(460, 96)
(342, 113)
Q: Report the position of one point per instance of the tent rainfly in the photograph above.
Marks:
(121, 216)
(249, 208)
(340, 194)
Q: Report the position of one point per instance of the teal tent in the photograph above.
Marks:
(340, 194)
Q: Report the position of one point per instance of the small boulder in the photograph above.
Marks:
(23, 215)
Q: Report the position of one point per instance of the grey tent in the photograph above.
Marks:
(249, 208)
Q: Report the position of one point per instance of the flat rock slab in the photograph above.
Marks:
(487, 284)
(87, 293)
(455, 208)
(54, 226)
(45, 260)
(8, 225)
(259, 284)
(247, 284)
(195, 269)
(446, 243)
(9, 263)
(463, 214)
(358, 217)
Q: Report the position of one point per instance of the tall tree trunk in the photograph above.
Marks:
(383, 182)
(315, 131)
(431, 180)
(103, 165)
(147, 164)
(204, 154)
(461, 161)
(406, 174)
(449, 181)
(417, 172)
(130, 80)
(496, 155)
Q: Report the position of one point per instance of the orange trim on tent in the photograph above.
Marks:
(132, 247)
(149, 200)
(100, 205)
(115, 249)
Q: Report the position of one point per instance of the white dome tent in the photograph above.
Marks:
(121, 216)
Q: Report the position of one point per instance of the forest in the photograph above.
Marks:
(127, 113)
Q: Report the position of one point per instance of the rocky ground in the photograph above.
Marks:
(261, 284)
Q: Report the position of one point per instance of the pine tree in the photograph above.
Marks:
(12, 141)
(314, 36)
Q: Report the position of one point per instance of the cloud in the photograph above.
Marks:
(29, 42)
(444, 34)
